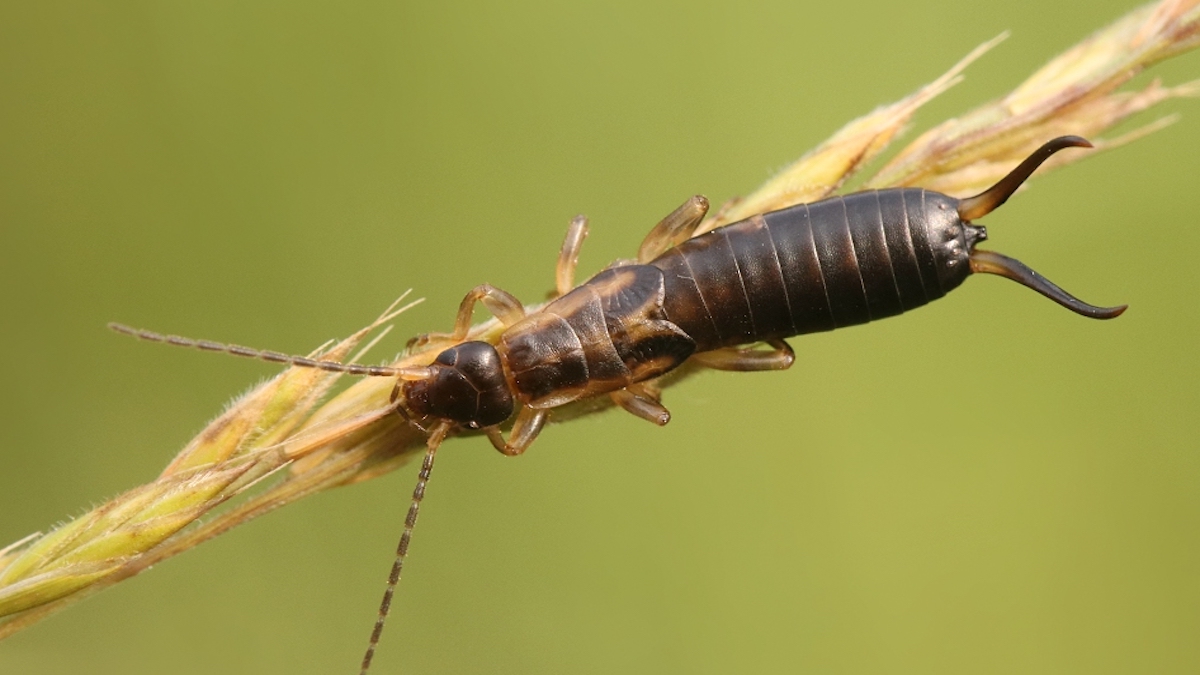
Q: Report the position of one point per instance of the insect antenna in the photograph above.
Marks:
(987, 201)
(268, 355)
(437, 434)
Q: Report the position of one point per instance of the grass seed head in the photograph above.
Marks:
(281, 440)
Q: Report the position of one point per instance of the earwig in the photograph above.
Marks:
(710, 298)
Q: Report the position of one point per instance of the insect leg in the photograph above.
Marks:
(780, 357)
(676, 228)
(641, 402)
(568, 257)
(503, 304)
(526, 428)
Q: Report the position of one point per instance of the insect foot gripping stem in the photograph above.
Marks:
(990, 262)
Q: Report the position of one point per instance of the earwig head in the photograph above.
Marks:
(990, 262)
(467, 387)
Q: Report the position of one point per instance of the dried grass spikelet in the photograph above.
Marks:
(354, 436)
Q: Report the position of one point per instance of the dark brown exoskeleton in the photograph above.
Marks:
(710, 298)
(813, 267)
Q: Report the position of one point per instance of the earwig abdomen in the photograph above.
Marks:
(815, 267)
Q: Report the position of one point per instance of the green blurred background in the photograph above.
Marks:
(989, 485)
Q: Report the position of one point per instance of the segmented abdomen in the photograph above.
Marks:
(813, 267)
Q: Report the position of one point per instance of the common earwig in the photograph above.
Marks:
(808, 268)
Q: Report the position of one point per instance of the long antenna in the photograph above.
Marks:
(263, 354)
(437, 434)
